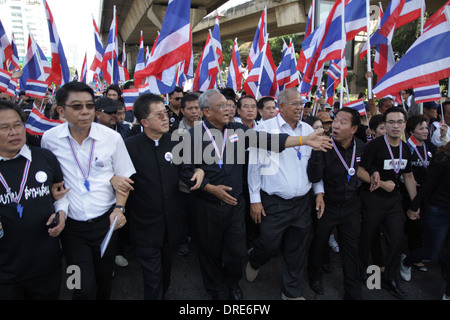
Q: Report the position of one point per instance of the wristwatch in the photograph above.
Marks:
(122, 208)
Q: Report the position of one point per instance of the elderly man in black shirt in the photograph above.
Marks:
(342, 206)
(218, 147)
(154, 206)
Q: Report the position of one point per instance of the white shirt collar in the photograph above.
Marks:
(94, 133)
(282, 122)
(24, 152)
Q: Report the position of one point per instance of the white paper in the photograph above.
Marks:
(105, 241)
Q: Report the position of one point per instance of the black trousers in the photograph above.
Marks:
(347, 219)
(156, 266)
(81, 242)
(44, 287)
(385, 211)
(287, 224)
(221, 244)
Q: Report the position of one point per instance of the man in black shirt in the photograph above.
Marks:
(154, 206)
(386, 159)
(337, 168)
(218, 147)
(30, 254)
(174, 108)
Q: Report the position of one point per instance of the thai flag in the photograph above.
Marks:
(325, 43)
(143, 89)
(355, 18)
(357, 105)
(37, 123)
(286, 73)
(436, 18)
(5, 78)
(258, 41)
(36, 65)
(216, 41)
(129, 96)
(14, 63)
(12, 87)
(99, 51)
(334, 70)
(175, 41)
(412, 10)
(426, 61)
(36, 89)
(301, 63)
(429, 92)
(262, 79)
(412, 143)
(123, 71)
(83, 76)
(235, 77)
(140, 61)
(60, 70)
(6, 51)
(207, 69)
(110, 62)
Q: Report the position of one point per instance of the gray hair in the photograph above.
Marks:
(283, 97)
(203, 100)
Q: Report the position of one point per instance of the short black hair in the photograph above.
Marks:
(8, 105)
(414, 121)
(244, 97)
(375, 121)
(187, 98)
(382, 100)
(395, 109)
(311, 120)
(141, 106)
(63, 92)
(177, 89)
(264, 100)
(114, 87)
(443, 104)
(356, 117)
(227, 92)
(127, 85)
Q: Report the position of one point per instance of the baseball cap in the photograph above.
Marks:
(324, 116)
(106, 104)
(430, 105)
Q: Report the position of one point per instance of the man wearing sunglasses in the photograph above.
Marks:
(174, 108)
(106, 113)
(93, 158)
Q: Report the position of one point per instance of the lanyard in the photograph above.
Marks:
(26, 170)
(399, 165)
(299, 155)
(424, 162)
(220, 155)
(91, 155)
(350, 171)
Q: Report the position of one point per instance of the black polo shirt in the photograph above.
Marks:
(26, 249)
(202, 155)
(328, 167)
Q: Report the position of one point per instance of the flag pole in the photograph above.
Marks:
(343, 39)
(369, 58)
(215, 55)
(262, 65)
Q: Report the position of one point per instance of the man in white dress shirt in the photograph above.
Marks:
(91, 155)
(281, 198)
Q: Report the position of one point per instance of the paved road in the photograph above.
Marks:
(187, 285)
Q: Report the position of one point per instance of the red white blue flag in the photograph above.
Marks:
(235, 77)
(258, 41)
(175, 40)
(14, 63)
(99, 51)
(5, 78)
(287, 76)
(426, 61)
(207, 69)
(83, 76)
(36, 89)
(60, 70)
(110, 62)
(262, 79)
(6, 50)
(140, 61)
(36, 65)
(37, 123)
(427, 93)
(358, 105)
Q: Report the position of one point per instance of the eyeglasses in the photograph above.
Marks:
(296, 103)
(222, 106)
(161, 115)
(110, 112)
(399, 122)
(79, 106)
(4, 128)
